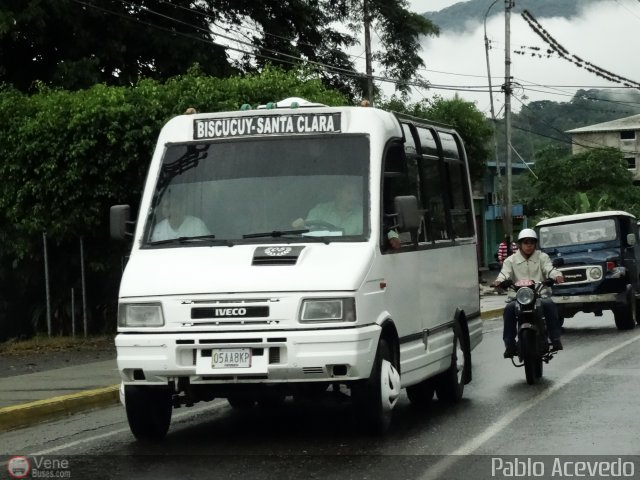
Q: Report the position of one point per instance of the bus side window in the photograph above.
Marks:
(457, 189)
(433, 183)
(400, 178)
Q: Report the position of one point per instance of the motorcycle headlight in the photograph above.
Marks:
(140, 315)
(525, 296)
(328, 310)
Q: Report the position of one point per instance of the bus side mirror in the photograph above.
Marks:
(120, 221)
(631, 240)
(409, 216)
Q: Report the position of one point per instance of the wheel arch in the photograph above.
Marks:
(390, 334)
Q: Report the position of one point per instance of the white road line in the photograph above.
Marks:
(437, 471)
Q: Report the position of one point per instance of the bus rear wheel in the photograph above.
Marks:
(450, 383)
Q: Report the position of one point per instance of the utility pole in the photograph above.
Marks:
(493, 112)
(507, 220)
(46, 283)
(367, 50)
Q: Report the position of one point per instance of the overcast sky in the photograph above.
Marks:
(606, 35)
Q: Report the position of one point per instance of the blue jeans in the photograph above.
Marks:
(511, 327)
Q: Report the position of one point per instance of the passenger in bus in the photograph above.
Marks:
(176, 222)
(528, 264)
(344, 212)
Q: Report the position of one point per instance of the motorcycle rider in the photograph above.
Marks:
(528, 264)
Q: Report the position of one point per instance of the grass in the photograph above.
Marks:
(43, 343)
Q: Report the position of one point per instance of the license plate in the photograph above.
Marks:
(231, 358)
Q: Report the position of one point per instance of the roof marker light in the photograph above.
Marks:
(245, 106)
(270, 106)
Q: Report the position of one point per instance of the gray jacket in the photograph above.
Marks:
(537, 267)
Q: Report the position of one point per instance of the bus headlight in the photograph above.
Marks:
(328, 310)
(140, 315)
(524, 296)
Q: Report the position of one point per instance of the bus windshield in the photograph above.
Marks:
(277, 188)
(577, 233)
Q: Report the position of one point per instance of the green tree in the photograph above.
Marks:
(78, 43)
(596, 179)
(67, 156)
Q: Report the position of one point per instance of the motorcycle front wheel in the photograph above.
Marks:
(530, 358)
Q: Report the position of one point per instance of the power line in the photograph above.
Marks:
(566, 55)
(299, 61)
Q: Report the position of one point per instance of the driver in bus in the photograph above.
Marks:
(528, 264)
(344, 212)
(176, 222)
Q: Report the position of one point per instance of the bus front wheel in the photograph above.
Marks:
(375, 398)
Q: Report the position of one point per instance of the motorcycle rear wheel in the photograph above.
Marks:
(530, 358)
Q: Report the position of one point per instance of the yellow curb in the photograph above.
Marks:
(496, 312)
(34, 412)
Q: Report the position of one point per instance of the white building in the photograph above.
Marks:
(623, 134)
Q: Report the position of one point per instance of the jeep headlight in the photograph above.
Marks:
(140, 315)
(595, 273)
(524, 296)
(328, 310)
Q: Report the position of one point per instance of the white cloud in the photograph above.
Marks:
(604, 35)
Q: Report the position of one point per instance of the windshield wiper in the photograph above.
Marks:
(199, 238)
(276, 233)
(285, 233)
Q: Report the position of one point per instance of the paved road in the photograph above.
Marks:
(585, 405)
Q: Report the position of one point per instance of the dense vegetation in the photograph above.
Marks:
(67, 156)
(78, 43)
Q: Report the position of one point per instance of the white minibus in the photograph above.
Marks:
(294, 250)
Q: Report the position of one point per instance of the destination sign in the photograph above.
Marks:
(266, 125)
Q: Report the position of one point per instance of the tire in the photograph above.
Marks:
(376, 397)
(148, 411)
(450, 383)
(529, 355)
(421, 394)
(539, 368)
(625, 315)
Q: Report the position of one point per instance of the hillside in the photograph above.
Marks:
(457, 17)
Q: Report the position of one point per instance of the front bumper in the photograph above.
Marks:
(277, 357)
(590, 298)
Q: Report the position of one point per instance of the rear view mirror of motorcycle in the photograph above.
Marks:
(557, 262)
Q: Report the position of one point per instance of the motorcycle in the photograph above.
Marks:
(533, 346)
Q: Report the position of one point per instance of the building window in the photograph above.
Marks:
(628, 135)
(631, 163)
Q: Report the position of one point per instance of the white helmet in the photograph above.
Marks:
(527, 233)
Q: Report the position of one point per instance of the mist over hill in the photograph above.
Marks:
(461, 16)
(541, 123)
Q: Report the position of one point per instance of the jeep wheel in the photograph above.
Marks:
(625, 314)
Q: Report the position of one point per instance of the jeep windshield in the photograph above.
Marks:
(283, 189)
(565, 234)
